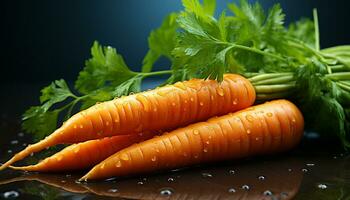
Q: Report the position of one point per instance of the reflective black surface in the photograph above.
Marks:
(316, 169)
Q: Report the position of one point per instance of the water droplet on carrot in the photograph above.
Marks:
(210, 137)
(154, 158)
(191, 99)
(185, 154)
(166, 192)
(205, 150)
(107, 123)
(196, 156)
(186, 101)
(235, 102)
(173, 104)
(269, 114)
(207, 142)
(248, 131)
(116, 120)
(124, 156)
(267, 193)
(102, 166)
(154, 109)
(293, 120)
(59, 158)
(231, 172)
(261, 178)
(220, 91)
(201, 103)
(195, 132)
(231, 190)
(212, 97)
(207, 175)
(118, 164)
(245, 187)
(113, 190)
(170, 179)
(256, 138)
(249, 118)
(81, 126)
(75, 126)
(76, 149)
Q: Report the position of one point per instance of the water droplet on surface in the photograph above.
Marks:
(205, 150)
(171, 179)
(191, 99)
(196, 156)
(245, 187)
(154, 109)
(166, 192)
(201, 103)
(290, 170)
(210, 137)
(293, 120)
(157, 150)
(140, 183)
(269, 114)
(231, 171)
(207, 142)
(10, 194)
(304, 170)
(116, 120)
(249, 118)
(256, 138)
(63, 181)
(113, 190)
(173, 104)
(267, 193)
(24, 144)
(118, 164)
(322, 186)
(154, 158)
(310, 164)
(9, 151)
(102, 166)
(107, 123)
(75, 126)
(284, 194)
(231, 190)
(185, 154)
(235, 101)
(124, 156)
(212, 97)
(76, 149)
(59, 158)
(207, 175)
(31, 154)
(81, 126)
(186, 101)
(196, 132)
(248, 131)
(220, 91)
(261, 178)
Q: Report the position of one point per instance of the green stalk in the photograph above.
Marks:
(277, 80)
(279, 95)
(274, 88)
(339, 76)
(268, 76)
(156, 73)
(317, 31)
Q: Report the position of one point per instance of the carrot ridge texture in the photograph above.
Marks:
(263, 129)
(163, 108)
(84, 155)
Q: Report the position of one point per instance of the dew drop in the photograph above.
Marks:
(124, 156)
(196, 132)
(267, 193)
(166, 192)
(304, 170)
(249, 118)
(116, 120)
(210, 137)
(186, 101)
(118, 164)
(231, 190)
(205, 150)
(173, 104)
(10, 194)
(113, 190)
(107, 123)
(322, 186)
(102, 166)
(310, 164)
(245, 187)
(75, 126)
(63, 181)
(235, 101)
(248, 131)
(81, 126)
(154, 158)
(154, 109)
(256, 138)
(14, 142)
(157, 150)
(207, 142)
(269, 114)
(231, 171)
(191, 99)
(171, 179)
(207, 175)
(140, 183)
(261, 178)
(293, 120)
(201, 103)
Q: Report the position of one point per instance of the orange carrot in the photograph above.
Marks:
(267, 128)
(160, 109)
(84, 155)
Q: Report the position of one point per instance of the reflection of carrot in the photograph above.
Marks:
(84, 155)
(267, 128)
(163, 108)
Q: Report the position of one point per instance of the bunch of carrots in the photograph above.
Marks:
(189, 122)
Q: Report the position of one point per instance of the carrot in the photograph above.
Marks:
(267, 128)
(160, 109)
(84, 155)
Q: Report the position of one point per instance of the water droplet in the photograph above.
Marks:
(201, 103)
(290, 170)
(231, 190)
(157, 150)
(269, 114)
(245, 187)
(210, 137)
(10, 194)
(256, 138)
(196, 132)
(171, 179)
(113, 190)
(207, 142)
(140, 183)
(154, 158)
(191, 99)
(75, 126)
(31, 154)
(102, 166)
(185, 154)
(118, 164)
(205, 150)
(124, 156)
(116, 120)
(235, 101)
(107, 123)
(212, 97)
(166, 192)
(293, 120)
(304, 170)
(220, 91)
(173, 104)
(249, 118)
(185, 101)
(14, 142)
(231, 171)
(196, 156)
(20, 134)
(207, 175)
(248, 131)
(59, 158)
(76, 149)
(322, 186)
(310, 164)
(154, 109)
(63, 181)
(267, 193)
(261, 178)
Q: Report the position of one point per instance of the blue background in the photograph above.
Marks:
(46, 40)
